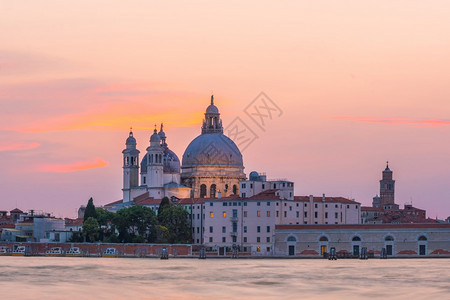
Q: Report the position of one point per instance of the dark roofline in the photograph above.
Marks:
(363, 226)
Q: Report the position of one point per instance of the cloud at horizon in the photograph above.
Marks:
(73, 166)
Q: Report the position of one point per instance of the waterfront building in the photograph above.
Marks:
(398, 240)
(249, 223)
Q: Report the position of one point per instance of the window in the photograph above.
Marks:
(224, 239)
(268, 228)
(224, 229)
(210, 239)
(145, 180)
(268, 249)
(315, 205)
(235, 213)
(263, 186)
(234, 227)
(258, 249)
(245, 203)
(211, 215)
(306, 214)
(316, 214)
(268, 213)
(258, 213)
(198, 229)
(251, 185)
(306, 204)
(245, 214)
(389, 238)
(243, 186)
(268, 239)
(336, 215)
(258, 228)
(298, 214)
(290, 208)
(285, 214)
(356, 239)
(326, 205)
(268, 203)
(258, 203)
(291, 239)
(225, 204)
(245, 228)
(203, 191)
(326, 215)
(277, 213)
(245, 239)
(348, 206)
(235, 189)
(335, 206)
(258, 240)
(211, 204)
(323, 239)
(224, 214)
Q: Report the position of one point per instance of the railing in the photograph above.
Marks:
(234, 219)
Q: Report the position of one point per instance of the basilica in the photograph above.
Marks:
(211, 167)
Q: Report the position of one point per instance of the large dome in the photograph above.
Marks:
(213, 149)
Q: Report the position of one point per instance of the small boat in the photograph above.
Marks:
(19, 251)
(110, 252)
(55, 251)
(5, 251)
(74, 252)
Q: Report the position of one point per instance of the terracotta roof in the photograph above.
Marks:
(370, 208)
(266, 195)
(7, 226)
(146, 201)
(74, 222)
(327, 199)
(113, 203)
(190, 201)
(16, 210)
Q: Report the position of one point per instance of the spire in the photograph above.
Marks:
(212, 99)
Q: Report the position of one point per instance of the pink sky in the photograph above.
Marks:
(359, 83)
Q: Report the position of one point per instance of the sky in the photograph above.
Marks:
(352, 84)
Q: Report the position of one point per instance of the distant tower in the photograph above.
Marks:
(386, 199)
(130, 167)
(155, 162)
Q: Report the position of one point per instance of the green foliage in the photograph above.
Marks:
(90, 210)
(91, 229)
(175, 219)
(165, 203)
(76, 237)
(136, 224)
(162, 234)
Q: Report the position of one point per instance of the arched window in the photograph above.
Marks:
(291, 239)
(356, 239)
(212, 191)
(234, 189)
(323, 239)
(226, 188)
(389, 238)
(203, 191)
(423, 238)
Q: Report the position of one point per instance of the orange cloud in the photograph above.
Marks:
(434, 123)
(18, 146)
(76, 166)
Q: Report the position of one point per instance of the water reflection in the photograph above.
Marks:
(103, 278)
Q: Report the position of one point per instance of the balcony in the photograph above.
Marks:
(233, 233)
(234, 219)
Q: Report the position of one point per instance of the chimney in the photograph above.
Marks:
(323, 197)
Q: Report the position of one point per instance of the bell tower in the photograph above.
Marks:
(155, 162)
(387, 190)
(130, 167)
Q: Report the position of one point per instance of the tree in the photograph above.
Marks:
(105, 222)
(90, 210)
(136, 224)
(175, 219)
(91, 229)
(165, 203)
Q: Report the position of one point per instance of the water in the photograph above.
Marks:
(122, 278)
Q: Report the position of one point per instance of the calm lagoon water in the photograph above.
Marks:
(127, 278)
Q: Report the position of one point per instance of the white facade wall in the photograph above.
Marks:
(250, 188)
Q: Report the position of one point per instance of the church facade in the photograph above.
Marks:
(212, 166)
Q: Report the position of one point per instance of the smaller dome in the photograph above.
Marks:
(131, 141)
(212, 109)
(155, 138)
(254, 176)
